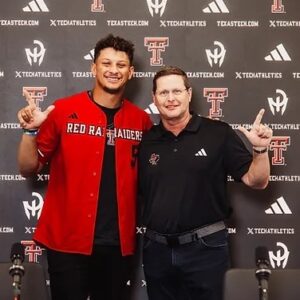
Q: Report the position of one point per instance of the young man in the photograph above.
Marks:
(183, 166)
(88, 221)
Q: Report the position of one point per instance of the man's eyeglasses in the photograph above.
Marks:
(175, 92)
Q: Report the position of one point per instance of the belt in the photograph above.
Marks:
(184, 238)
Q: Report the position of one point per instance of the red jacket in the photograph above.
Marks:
(72, 139)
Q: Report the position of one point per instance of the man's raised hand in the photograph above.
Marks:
(30, 116)
(259, 135)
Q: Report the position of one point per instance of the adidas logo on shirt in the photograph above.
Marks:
(201, 152)
(36, 6)
(278, 54)
(217, 6)
(73, 116)
(278, 208)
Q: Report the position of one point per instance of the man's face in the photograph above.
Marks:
(172, 98)
(112, 70)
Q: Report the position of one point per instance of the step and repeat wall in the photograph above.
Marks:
(239, 55)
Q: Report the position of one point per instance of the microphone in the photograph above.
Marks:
(17, 255)
(262, 272)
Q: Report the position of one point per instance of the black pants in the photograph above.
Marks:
(101, 276)
(192, 271)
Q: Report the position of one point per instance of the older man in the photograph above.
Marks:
(184, 163)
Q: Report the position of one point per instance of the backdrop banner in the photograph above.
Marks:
(240, 56)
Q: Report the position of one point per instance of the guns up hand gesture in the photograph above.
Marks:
(260, 135)
(30, 116)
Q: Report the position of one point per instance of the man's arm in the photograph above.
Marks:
(258, 174)
(260, 137)
(30, 118)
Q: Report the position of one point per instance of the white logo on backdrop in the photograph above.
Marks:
(217, 55)
(36, 6)
(157, 6)
(217, 6)
(90, 55)
(278, 104)
(279, 207)
(36, 54)
(278, 54)
(152, 109)
(280, 257)
(35, 208)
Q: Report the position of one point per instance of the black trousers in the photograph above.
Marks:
(101, 276)
(192, 271)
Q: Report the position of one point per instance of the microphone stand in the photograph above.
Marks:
(16, 292)
(262, 272)
(16, 271)
(263, 275)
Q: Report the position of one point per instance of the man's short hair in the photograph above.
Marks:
(117, 43)
(170, 70)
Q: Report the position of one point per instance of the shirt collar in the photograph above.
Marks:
(192, 126)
